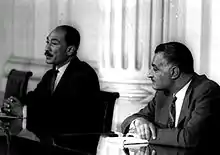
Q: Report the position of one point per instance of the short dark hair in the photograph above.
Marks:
(72, 36)
(178, 54)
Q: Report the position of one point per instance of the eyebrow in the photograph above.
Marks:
(53, 39)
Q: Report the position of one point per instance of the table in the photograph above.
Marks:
(22, 146)
(107, 147)
(93, 144)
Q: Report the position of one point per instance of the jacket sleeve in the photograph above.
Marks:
(148, 112)
(35, 107)
(200, 121)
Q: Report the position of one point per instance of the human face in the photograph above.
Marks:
(160, 73)
(56, 48)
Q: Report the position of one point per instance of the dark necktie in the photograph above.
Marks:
(53, 79)
(172, 113)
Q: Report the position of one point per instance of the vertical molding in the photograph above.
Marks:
(23, 28)
(212, 61)
(165, 20)
(53, 13)
(112, 15)
(68, 11)
(157, 16)
(181, 19)
(150, 34)
(31, 36)
(13, 28)
(117, 47)
(62, 11)
(139, 54)
(124, 52)
(205, 37)
(42, 26)
(193, 32)
(174, 20)
(130, 32)
(106, 35)
(144, 30)
(116, 32)
(135, 26)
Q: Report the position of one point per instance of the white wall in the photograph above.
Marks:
(214, 43)
(196, 23)
(5, 33)
(24, 25)
(203, 35)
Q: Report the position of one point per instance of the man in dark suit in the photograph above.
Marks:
(184, 110)
(71, 103)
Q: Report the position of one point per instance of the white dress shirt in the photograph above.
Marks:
(180, 95)
(60, 74)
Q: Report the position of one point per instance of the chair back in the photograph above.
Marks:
(108, 99)
(17, 83)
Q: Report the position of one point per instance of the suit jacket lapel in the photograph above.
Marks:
(187, 99)
(185, 105)
(73, 64)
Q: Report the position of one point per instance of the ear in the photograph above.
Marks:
(174, 72)
(70, 50)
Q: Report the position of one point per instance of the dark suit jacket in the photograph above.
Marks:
(72, 108)
(198, 116)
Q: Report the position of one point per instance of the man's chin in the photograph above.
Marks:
(49, 61)
(156, 88)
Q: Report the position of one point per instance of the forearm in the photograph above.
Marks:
(127, 122)
(148, 113)
(176, 137)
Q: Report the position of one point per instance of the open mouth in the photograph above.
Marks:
(48, 54)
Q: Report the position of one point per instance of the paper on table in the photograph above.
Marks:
(131, 140)
(134, 140)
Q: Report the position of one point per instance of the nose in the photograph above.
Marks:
(47, 47)
(150, 74)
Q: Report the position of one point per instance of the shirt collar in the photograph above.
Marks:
(63, 68)
(181, 93)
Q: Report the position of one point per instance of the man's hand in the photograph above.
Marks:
(143, 128)
(12, 106)
(144, 150)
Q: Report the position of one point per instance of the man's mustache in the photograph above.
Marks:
(47, 53)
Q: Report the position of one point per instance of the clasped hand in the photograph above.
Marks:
(12, 106)
(143, 129)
